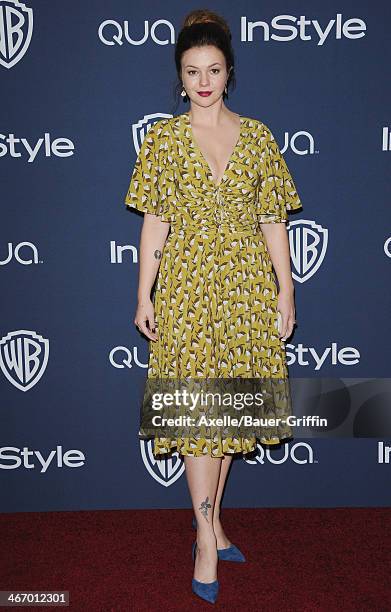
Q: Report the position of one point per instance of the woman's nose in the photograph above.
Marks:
(204, 80)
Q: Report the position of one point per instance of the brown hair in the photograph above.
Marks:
(204, 27)
(206, 16)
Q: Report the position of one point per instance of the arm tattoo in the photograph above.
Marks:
(158, 254)
(204, 508)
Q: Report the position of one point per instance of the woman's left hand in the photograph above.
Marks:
(286, 306)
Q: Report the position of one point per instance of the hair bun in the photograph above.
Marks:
(206, 16)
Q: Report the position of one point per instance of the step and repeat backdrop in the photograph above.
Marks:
(81, 85)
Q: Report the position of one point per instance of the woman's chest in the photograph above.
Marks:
(240, 174)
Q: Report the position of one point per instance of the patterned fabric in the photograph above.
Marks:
(216, 294)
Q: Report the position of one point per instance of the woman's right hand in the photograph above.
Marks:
(146, 313)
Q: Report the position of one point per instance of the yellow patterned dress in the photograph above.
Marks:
(216, 293)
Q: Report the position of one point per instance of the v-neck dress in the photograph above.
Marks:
(216, 292)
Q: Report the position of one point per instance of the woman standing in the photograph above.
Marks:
(218, 181)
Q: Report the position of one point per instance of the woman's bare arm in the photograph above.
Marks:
(276, 237)
(152, 240)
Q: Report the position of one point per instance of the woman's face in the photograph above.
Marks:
(204, 70)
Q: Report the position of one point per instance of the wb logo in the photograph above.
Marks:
(140, 129)
(23, 358)
(16, 28)
(164, 471)
(308, 245)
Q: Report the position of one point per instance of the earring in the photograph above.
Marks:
(183, 93)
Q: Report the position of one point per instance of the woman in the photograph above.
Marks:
(219, 182)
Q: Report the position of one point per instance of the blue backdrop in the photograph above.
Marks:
(75, 80)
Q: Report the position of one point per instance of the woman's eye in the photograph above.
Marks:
(192, 72)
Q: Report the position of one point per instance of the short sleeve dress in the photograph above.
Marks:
(216, 292)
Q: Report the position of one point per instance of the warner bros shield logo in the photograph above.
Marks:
(23, 358)
(140, 129)
(308, 245)
(16, 29)
(164, 471)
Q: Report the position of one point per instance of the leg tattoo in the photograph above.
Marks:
(204, 507)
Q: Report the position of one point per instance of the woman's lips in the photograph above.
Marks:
(204, 93)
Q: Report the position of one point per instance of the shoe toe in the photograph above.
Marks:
(206, 590)
(231, 554)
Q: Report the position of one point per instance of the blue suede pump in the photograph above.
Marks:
(232, 553)
(206, 590)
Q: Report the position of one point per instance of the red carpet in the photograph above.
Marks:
(298, 559)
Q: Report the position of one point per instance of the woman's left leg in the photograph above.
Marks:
(202, 475)
(221, 538)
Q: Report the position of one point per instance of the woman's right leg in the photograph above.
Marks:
(221, 538)
(202, 475)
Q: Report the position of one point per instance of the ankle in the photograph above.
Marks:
(206, 539)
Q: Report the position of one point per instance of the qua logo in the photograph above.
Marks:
(112, 32)
(304, 146)
(16, 29)
(122, 357)
(24, 356)
(300, 453)
(15, 253)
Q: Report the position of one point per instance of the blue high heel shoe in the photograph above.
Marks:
(232, 553)
(206, 590)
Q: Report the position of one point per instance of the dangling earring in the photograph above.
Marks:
(225, 89)
(184, 94)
